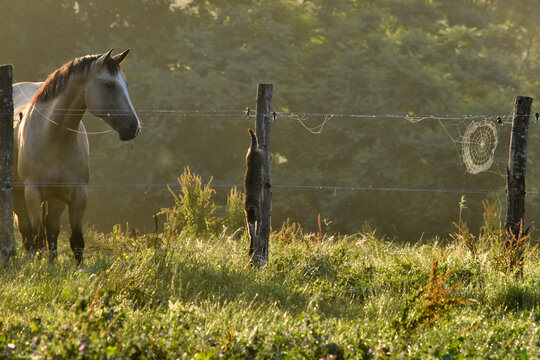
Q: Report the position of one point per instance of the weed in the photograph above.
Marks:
(462, 206)
(466, 241)
(509, 252)
(492, 219)
(290, 232)
(194, 207)
(323, 228)
(511, 255)
(234, 212)
(430, 302)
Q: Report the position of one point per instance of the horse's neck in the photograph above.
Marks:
(66, 109)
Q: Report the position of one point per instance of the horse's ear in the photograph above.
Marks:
(120, 57)
(103, 58)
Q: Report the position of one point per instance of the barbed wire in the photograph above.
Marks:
(287, 186)
(277, 186)
(293, 115)
(301, 117)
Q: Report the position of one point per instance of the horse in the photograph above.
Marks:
(51, 152)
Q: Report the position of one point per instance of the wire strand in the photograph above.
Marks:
(278, 186)
(241, 114)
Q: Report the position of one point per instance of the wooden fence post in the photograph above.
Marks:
(517, 164)
(7, 242)
(264, 109)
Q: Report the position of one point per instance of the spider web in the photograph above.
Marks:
(474, 136)
(478, 146)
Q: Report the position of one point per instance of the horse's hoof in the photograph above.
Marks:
(79, 258)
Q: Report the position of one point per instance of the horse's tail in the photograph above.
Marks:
(254, 142)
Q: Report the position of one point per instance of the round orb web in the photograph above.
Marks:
(478, 144)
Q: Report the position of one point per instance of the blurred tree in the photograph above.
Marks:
(343, 56)
(36, 34)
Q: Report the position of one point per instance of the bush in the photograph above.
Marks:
(290, 232)
(192, 213)
(234, 211)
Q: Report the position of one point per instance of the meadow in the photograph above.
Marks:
(189, 292)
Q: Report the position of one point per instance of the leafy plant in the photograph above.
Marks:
(234, 211)
(194, 207)
(466, 240)
(290, 231)
(432, 301)
(492, 219)
(511, 254)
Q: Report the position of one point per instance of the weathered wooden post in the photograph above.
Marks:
(264, 109)
(7, 242)
(517, 164)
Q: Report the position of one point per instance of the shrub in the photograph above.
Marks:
(290, 231)
(511, 253)
(234, 211)
(430, 302)
(192, 213)
(508, 252)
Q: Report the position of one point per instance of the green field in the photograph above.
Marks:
(320, 297)
(189, 291)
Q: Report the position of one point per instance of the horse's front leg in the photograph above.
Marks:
(55, 208)
(25, 226)
(77, 208)
(33, 200)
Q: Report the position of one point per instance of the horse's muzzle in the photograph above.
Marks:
(129, 132)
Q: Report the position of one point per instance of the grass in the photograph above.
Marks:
(347, 297)
(191, 293)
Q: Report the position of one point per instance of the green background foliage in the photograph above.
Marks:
(356, 57)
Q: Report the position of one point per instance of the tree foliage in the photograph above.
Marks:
(345, 56)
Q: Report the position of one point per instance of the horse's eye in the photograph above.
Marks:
(110, 85)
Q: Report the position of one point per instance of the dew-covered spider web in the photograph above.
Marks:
(478, 146)
(475, 138)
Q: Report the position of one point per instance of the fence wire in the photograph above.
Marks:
(301, 118)
(279, 186)
(180, 113)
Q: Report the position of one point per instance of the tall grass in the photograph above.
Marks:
(184, 294)
(338, 298)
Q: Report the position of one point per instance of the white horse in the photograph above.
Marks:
(51, 145)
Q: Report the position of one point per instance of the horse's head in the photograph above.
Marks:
(107, 96)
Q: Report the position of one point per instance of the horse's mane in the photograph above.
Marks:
(57, 81)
